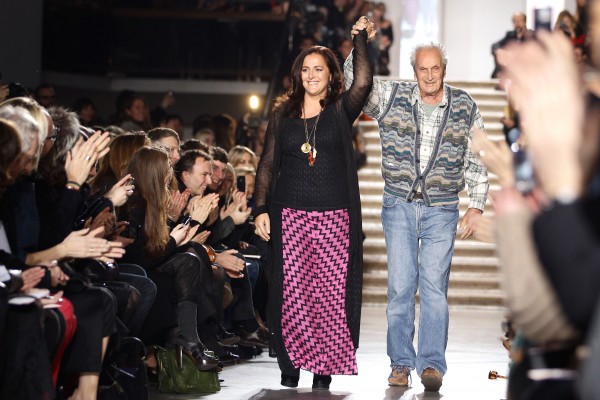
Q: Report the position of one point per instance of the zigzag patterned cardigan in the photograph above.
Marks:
(444, 176)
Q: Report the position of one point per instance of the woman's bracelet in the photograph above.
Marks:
(72, 185)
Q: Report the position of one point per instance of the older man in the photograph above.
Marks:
(425, 128)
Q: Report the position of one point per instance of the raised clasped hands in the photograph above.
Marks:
(364, 23)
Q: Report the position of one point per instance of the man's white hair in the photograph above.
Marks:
(28, 128)
(438, 46)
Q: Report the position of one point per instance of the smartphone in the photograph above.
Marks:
(522, 167)
(542, 18)
(186, 220)
(133, 231)
(241, 183)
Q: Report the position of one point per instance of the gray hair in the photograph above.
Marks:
(438, 46)
(27, 126)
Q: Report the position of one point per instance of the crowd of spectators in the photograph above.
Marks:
(114, 227)
(123, 230)
(545, 214)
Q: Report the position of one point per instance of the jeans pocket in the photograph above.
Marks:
(389, 201)
(450, 207)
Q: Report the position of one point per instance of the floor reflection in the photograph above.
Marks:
(303, 394)
(405, 393)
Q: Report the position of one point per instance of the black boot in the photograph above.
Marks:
(290, 380)
(321, 382)
(188, 341)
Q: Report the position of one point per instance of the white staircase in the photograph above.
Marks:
(474, 277)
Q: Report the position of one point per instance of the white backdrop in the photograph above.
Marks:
(466, 27)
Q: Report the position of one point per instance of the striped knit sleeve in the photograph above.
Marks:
(475, 172)
(380, 93)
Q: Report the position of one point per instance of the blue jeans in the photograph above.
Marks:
(410, 229)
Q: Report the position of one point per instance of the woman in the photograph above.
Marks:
(112, 167)
(242, 156)
(135, 115)
(155, 247)
(300, 192)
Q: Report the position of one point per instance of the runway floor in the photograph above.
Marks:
(474, 348)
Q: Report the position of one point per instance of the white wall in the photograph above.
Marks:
(469, 29)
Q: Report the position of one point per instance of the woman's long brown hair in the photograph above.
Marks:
(122, 147)
(290, 103)
(150, 167)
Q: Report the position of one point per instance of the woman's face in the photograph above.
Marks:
(315, 75)
(137, 111)
(249, 186)
(227, 183)
(245, 161)
(208, 139)
(87, 114)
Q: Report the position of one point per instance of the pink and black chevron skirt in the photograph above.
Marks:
(315, 263)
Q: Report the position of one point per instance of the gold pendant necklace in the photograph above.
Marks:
(306, 148)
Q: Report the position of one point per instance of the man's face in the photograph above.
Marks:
(174, 124)
(519, 23)
(429, 72)
(27, 161)
(218, 169)
(199, 178)
(46, 97)
(172, 146)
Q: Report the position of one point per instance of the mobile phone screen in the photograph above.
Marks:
(543, 18)
(241, 183)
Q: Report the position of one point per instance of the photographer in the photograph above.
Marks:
(519, 34)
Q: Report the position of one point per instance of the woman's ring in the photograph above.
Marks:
(88, 158)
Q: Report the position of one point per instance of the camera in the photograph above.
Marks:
(523, 169)
(16, 90)
(543, 18)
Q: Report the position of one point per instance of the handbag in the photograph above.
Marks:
(188, 379)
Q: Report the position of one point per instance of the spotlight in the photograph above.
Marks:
(253, 102)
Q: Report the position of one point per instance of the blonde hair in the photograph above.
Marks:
(236, 153)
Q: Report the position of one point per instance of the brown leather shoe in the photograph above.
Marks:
(252, 339)
(431, 378)
(400, 376)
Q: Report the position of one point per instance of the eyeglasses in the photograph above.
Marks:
(55, 132)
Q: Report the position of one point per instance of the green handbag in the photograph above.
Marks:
(172, 379)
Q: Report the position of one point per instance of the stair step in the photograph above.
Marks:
(373, 201)
(475, 278)
(458, 280)
(481, 297)
(375, 262)
(376, 245)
